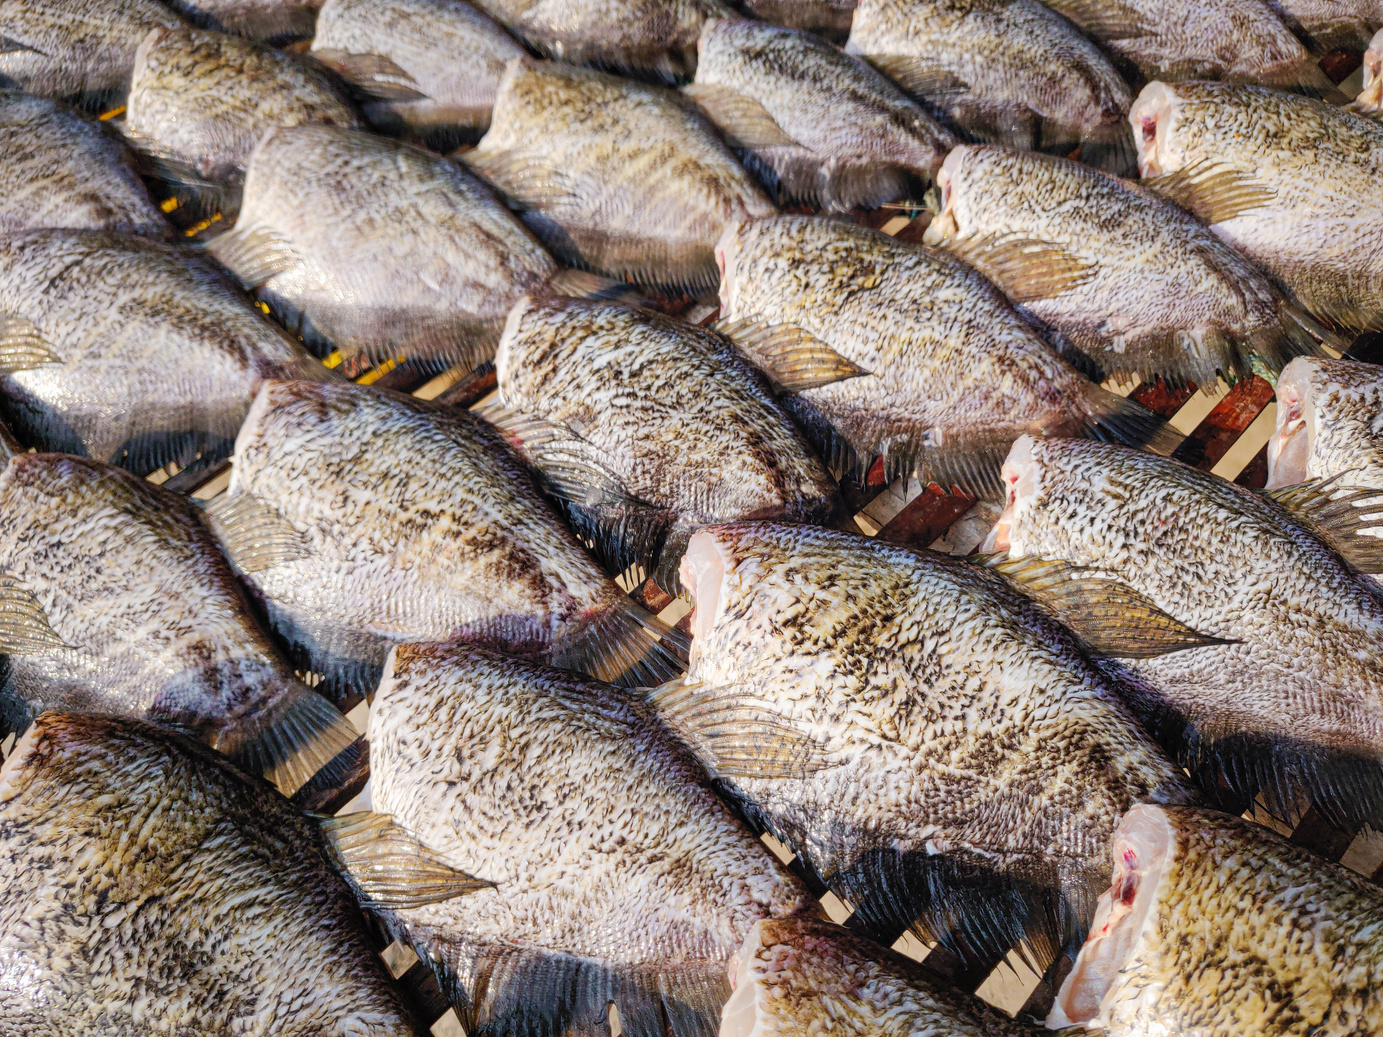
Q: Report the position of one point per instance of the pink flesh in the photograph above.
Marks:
(702, 572)
(1020, 483)
(1290, 445)
(740, 1015)
(1148, 118)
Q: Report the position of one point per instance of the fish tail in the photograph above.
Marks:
(1112, 418)
(626, 646)
(293, 744)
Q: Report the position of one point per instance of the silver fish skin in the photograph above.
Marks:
(647, 37)
(1370, 99)
(815, 124)
(955, 374)
(154, 890)
(455, 544)
(1009, 71)
(1292, 705)
(908, 721)
(76, 49)
(61, 168)
(379, 249)
(618, 874)
(204, 99)
(444, 50)
(146, 620)
(1288, 181)
(622, 178)
(1135, 283)
(687, 428)
(1237, 41)
(257, 19)
(1329, 424)
(799, 976)
(1214, 926)
(1333, 24)
(129, 350)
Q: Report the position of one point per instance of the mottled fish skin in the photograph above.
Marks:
(1300, 688)
(671, 410)
(156, 627)
(453, 54)
(1317, 226)
(78, 49)
(257, 19)
(1370, 99)
(1009, 71)
(61, 168)
(1331, 24)
(623, 178)
(159, 356)
(1237, 41)
(1156, 293)
(618, 873)
(1215, 927)
(847, 136)
(205, 98)
(418, 524)
(649, 37)
(381, 249)
(955, 373)
(152, 889)
(1329, 424)
(831, 18)
(798, 976)
(967, 741)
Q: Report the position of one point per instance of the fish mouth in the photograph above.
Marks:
(702, 572)
(944, 224)
(1290, 446)
(1021, 481)
(1150, 117)
(1372, 94)
(1142, 847)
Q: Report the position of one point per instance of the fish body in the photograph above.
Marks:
(129, 351)
(61, 168)
(445, 53)
(921, 733)
(1329, 424)
(816, 124)
(672, 411)
(1008, 71)
(618, 875)
(619, 177)
(1237, 41)
(1288, 181)
(1292, 704)
(1214, 926)
(203, 99)
(153, 889)
(1332, 24)
(1136, 284)
(802, 976)
(952, 374)
(146, 620)
(410, 521)
(76, 49)
(257, 19)
(649, 37)
(831, 18)
(379, 249)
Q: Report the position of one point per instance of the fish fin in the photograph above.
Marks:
(1112, 150)
(736, 736)
(793, 358)
(627, 647)
(289, 744)
(158, 162)
(388, 866)
(920, 77)
(1027, 270)
(744, 122)
(522, 186)
(374, 76)
(1341, 514)
(12, 46)
(1309, 80)
(1109, 617)
(796, 174)
(842, 455)
(585, 284)
(1112, 418)
(569, 466)
(24, 627)
(969, 463)
(1106, 20)
(255, 256)
(1213, 191)
(22, 345)
(254, 536)
(621, 535)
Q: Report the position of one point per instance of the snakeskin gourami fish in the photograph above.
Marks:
(276, 20)
(1329, 424)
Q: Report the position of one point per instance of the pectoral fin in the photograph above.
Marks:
(1213, 191)
(22, 345)
(390, 867)
(255, 536)
(374, 75)
(744, 121)
(1341, 515)
(24, 627)
(792, 357)
(1026, 269)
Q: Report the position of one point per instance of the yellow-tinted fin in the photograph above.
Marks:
(373, 75)
(24, 627)
(1213, 191)
(1104, 19)
(22, 345)
(792, 357)
(919, 77)
(1340, 515)
(388, 866)
(254, 536)
(1110, 618)
(744, 121)
(1026, 269)
(255, 257)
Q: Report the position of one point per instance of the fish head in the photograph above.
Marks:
(702, 572)
(727, 254)
(1021, 477)
(1371, 97)
(1289, 449)
(1153, 117)
(945, 224)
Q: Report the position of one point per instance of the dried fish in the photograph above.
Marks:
(1329, 424)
